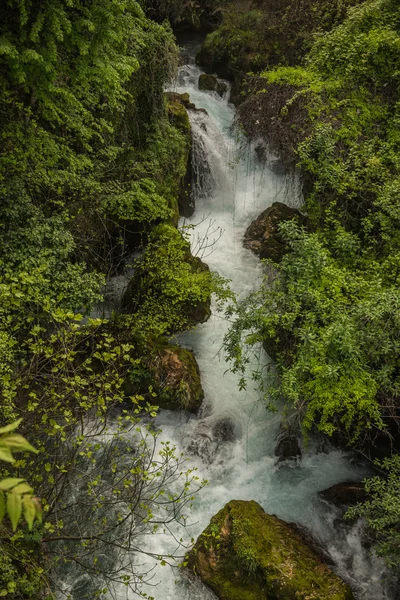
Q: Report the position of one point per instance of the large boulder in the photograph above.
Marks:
(211, 83)
(165, 375)
(170, 290)
(246, 554)
(207, 82)
(177, 378)
(262, 236)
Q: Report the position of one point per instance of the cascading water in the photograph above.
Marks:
(232, 441)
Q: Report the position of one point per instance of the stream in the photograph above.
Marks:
(232, 189)
(231, 441)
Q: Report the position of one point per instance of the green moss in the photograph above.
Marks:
(171, 289)
(177, 379)
(177, 112)
(246, 553)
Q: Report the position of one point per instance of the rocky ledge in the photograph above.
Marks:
(246, 554)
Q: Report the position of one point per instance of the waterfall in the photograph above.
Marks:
(231, 442)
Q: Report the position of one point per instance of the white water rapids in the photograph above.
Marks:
(246, 467)
(233, 188)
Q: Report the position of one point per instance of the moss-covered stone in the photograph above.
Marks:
(246, 554)
(162, 374)
(177, 379)
(170, 290)
(207, 82)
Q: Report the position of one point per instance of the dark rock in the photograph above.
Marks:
(347, 493)
(246, 554)
(221, 88)
(224, 430)
(211, 83)
(208, 82)
(288, 446)
(262, 236)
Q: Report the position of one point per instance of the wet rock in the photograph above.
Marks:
(183, 99)
(211, 83)
(262, 236)
(288, 446)
(177, 379)
(201, 443)
(347, 493)
(224, 430)
(207, 82)
(207, 437)
(246, 554)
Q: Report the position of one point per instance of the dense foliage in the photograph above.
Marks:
(91, 161)
(258, 34)
(330, 316)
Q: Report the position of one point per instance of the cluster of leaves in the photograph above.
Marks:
(16, 494)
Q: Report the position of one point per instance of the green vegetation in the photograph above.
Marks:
(171, 289)
(255, 35)
(331, 316)
(382, 512)
(92, 160)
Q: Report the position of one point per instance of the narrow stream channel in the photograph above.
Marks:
(232, 441)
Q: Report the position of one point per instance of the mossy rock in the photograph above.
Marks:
(177, 378)
(246, 554)
(176, 101)
(207, 82)
(263, 237)
(171, 289)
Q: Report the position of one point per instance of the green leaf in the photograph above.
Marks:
(29, 510)
(5, 454)
(14, 508)
(17, 443)
(10, 427)
(22, 488)
(10, 482)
